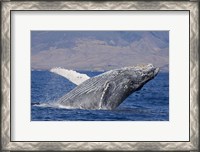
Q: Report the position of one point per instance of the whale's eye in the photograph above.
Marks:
(132, 82)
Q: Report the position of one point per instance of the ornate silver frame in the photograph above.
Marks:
(8, 6)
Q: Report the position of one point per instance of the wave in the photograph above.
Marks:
(51, 105)
(73, 76)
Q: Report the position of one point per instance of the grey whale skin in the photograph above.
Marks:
(108, 90)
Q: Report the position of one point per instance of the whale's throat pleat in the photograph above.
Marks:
(93, 85)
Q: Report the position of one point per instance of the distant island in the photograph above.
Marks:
(99, 50)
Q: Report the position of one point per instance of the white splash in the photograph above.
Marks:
(53, 105)
(73, 76)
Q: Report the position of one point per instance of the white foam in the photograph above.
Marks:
(73, 76)
(52, 105)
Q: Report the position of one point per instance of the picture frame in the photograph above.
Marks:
(8, 7)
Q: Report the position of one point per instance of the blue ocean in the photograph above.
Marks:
(151, 103)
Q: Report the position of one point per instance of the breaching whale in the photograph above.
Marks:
(108, 90)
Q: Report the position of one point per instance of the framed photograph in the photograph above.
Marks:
(115, 75)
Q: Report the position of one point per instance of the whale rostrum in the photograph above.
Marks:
(108, 90)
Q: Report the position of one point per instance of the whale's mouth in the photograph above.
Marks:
(156, 71)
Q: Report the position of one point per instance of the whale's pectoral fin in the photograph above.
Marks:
(106, 93)
(73, 76)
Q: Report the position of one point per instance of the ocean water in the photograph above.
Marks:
(151, 103)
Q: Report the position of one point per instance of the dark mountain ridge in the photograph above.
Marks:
(98, 50)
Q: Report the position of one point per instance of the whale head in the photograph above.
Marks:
(140, 75)
(126, 81)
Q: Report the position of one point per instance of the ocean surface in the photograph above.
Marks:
(151, 103)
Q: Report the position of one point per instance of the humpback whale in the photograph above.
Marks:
(108, 90)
